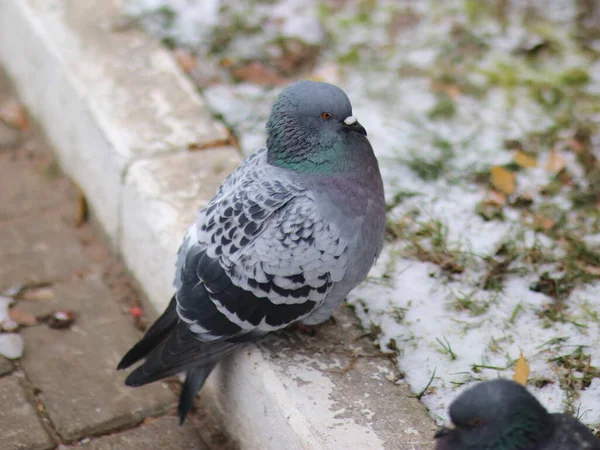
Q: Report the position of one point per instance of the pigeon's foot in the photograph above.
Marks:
(312, 330)
(309, 330)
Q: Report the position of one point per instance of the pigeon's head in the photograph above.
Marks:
(499, 414)
(312, 122)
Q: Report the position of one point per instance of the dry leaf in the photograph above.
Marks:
(524, 160)
(37, 294)
(256, 72)
(14, 115)
(185, 59)
(521, 370)
(21, 317)
(452, 90)
(82, 210)
(592, 270)
(556, 163)
(503, 180)
(542, 223)
(496, 198)
(575, 144)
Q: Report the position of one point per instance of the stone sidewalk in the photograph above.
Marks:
(64, 392)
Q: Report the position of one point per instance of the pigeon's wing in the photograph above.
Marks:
(570, 434)
(263, 256)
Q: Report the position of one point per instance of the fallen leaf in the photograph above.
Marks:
(496, 198)
(555, 163)
(14, 115)
(452, 90)
(21, 317)
(185, 60)
(38, 294)
(524, 160)
(521, 370)
(542, 223)
(503, 180)
(575, 144)
(296, 57)
(82, 210)
(256, 72)
(491, 207)
(592, 270)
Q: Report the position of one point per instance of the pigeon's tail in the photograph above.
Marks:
(194, 381)
(155, 334)
(169, 347)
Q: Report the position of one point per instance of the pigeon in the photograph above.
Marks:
(289, 234)
(503, 415)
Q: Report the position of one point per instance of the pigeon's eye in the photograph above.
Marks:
(326, 115)
(475, 423)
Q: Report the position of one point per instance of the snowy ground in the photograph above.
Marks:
(486, 123)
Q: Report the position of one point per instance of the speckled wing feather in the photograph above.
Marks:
(260, 256)
(570, 434)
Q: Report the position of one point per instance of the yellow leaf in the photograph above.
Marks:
(82, 210)
(521, 370)
(503, 180)
(556, 163)
(524, 160)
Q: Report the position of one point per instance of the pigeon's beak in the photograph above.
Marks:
(441, 432)
(354, 125)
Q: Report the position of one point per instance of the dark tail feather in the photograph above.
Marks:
(155, 334)
(194, 381)
(179, 351)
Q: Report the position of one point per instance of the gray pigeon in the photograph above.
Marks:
(289, 234)
(503, 415)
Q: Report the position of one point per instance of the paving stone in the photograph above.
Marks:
(20, 426)
(9, 137)
(157, 434)
(39, 249)
(6, 366)
(75, 369)
(25, 189)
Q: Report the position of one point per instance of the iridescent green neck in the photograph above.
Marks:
(326, 161)
(290, 146)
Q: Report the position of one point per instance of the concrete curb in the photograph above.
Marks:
(122, 118)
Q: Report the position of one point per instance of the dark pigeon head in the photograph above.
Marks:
(497, 414)
(311, 126)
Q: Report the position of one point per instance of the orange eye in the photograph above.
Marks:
(475, 422)
(326, 115)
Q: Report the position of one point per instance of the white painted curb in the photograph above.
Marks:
(122, 117)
